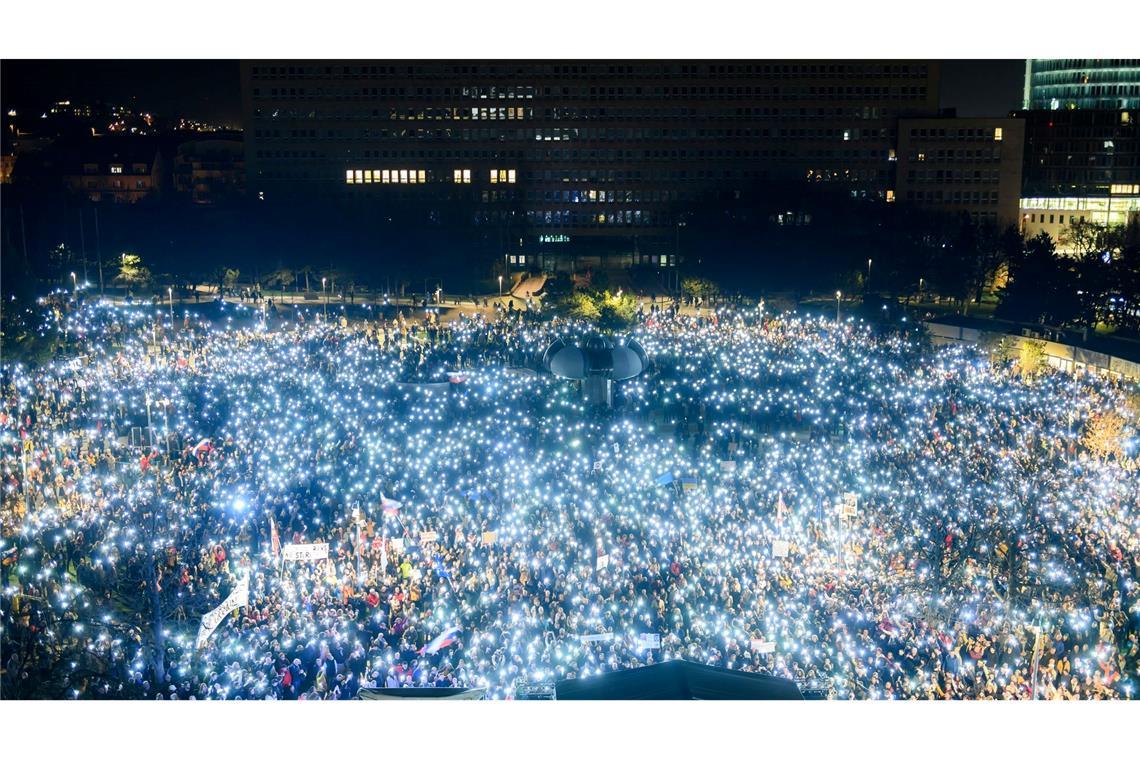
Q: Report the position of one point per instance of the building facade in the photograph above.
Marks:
(1053, 84)
(1079, 165)
(210, 169)
(591, 158)
(959, 165)
(116, 170)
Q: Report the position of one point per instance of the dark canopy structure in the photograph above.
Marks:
(678, 679)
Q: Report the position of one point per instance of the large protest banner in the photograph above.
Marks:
(304, 552)
(239, 597)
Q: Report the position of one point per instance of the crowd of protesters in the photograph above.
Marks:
(776, 494)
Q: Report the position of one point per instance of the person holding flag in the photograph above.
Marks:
(449, 636)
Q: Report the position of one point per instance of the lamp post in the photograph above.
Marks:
(325, 292)
(500, 286)
(838, 295)
(75, 284)
(920, 281)
(867, 284)
(170, 297)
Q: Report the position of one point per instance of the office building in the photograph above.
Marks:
(960, 165)
(1053, 84)
(572, 160)
(1079, 165)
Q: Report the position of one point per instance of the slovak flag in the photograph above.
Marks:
(275, 538)
(390, 506)
(203, 447)
(445, 639)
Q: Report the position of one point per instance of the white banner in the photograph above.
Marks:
(648, 640)
(428, 536)
(780, 548)
(239, 597)
(763, 647)
(603, 562)
(596, 637)
(489, 537)
(728, 465)
(850, 505)
(304, 552)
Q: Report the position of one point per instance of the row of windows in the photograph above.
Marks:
(856, 92)
(567, 218)
(947, 196)
(579, 135)
(420, 176)
(591, 69)
(967, 133)
(951, 154)
(953, 175)
(640, 115)
(385, 176)
(1055, 218)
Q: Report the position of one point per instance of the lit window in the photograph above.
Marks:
(890, 196)
(467, 176)
(458, 174)
(403, 176)
(997, 134)
(385, 177)
(358, 176)
(368, 176)
(422, 174)
(494, 176)
(511, 176)
(846, 134)
(116, 170)
(348, 176)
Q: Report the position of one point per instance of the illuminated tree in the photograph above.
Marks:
(132, 273)
(1031, 357)
(1104, 435)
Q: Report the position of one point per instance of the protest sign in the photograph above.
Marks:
(304, 552)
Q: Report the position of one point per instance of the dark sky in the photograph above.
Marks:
(210, 90)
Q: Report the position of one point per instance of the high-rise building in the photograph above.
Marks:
(1053, 84)
(956, 165)
(574, 159)
(1079, 165)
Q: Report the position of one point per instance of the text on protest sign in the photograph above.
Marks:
(304, 552)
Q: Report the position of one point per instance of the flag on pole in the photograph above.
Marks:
(275, 539)
(389, 506)
(445, 639)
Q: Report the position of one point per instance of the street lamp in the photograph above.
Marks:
(920, 281)
(500, 286)
(838, 295)
(170, 296)
(75, 284)
(868, 273)
(326, 295)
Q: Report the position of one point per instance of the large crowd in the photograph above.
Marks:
(779, 494)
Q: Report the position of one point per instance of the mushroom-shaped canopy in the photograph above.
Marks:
(599, 357)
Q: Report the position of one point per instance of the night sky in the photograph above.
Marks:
(210, 90)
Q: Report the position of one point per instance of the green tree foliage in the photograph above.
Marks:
(132, 272)
(610, 312)
(699, 287)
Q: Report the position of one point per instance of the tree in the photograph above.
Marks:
(609, 311)
(132, 273)
(1041, 287)
(1031, 357)
(699, 287)
(997, 346)
(1104, 435)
